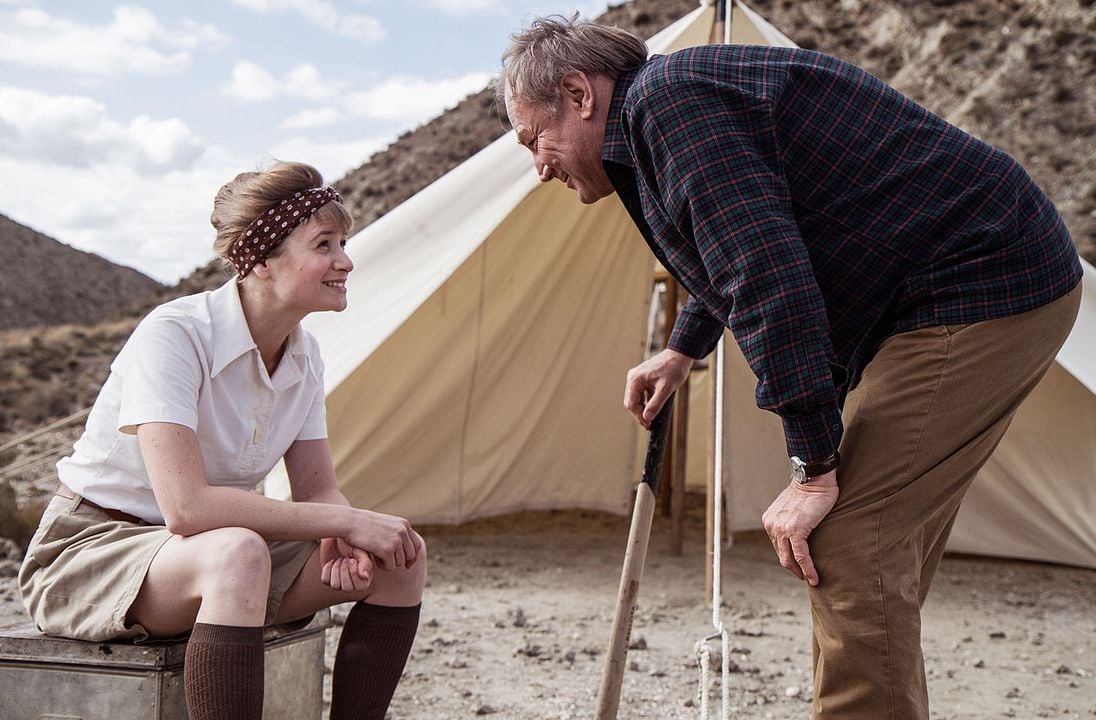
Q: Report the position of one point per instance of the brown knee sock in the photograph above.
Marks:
(223, 673)
(373, 649)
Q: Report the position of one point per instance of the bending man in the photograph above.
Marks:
(877, 266)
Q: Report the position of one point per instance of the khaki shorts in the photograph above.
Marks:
(83, 571)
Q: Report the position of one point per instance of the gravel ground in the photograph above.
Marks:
(518, 609)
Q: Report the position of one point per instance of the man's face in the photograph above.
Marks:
(566, 145)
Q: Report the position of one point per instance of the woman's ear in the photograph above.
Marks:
(260, 270)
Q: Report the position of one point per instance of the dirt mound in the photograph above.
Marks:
(45, 282)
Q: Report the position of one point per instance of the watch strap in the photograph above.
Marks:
(822, 467)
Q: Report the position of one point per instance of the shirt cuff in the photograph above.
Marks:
(696, 333)
(813, 438)
(131, 417)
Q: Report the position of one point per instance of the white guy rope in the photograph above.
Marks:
(27, 462)
(79, 415)
(703, 653)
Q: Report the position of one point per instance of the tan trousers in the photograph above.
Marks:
(931, 407)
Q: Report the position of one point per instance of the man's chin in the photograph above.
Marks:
(588, 197)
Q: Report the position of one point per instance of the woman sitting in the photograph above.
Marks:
(156, 531)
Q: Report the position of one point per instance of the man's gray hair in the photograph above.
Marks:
(551, 47)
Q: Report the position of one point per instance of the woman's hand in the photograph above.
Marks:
(345, 567)
(388, 539)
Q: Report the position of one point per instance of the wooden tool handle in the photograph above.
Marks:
(608, 699)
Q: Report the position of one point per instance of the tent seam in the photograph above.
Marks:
(471, 384)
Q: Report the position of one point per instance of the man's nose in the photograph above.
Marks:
(544, 172)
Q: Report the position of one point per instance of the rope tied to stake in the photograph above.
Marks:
(703, 652)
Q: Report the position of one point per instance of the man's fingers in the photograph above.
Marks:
(786, 555)
(325, 573)
(655, 403)
(803, 562)
(633, 398)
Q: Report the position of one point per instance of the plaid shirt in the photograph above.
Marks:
(816, 211)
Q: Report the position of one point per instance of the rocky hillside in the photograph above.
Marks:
(45, 282)
(1017, 73)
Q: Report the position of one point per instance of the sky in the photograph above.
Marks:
(119, 121)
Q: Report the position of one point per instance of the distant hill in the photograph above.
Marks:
(45, 282)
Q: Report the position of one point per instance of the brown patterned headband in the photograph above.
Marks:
(271, 227)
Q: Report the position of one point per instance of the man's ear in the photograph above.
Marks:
(576, 91)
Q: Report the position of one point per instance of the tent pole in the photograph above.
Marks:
(709, 488)
(715, 379)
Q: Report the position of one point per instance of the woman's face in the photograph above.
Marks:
(309, 273)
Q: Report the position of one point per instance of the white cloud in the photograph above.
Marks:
(304, 81)
(252, 83)
(133, 41)
(333, 159)
(305, 119)
(468, 7)
(323, 15)
(410, 99)
(76, 131)
(104, 200)
(161, 227)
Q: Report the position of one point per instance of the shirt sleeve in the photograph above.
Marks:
(696, 332)
(161, 374)
(714, 163)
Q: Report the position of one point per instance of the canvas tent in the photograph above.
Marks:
(479, 368)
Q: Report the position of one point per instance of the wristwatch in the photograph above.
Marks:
(803, 472)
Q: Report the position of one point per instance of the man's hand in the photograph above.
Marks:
(652, 381)
(791, 518)
(345, 567)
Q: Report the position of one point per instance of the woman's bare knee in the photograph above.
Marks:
(220, 576)
(234, 551)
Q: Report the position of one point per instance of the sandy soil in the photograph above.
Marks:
(517, 615)
(517, 619)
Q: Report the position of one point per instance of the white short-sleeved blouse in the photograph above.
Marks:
(192, 362)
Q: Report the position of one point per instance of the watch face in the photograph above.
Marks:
(799, 470)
